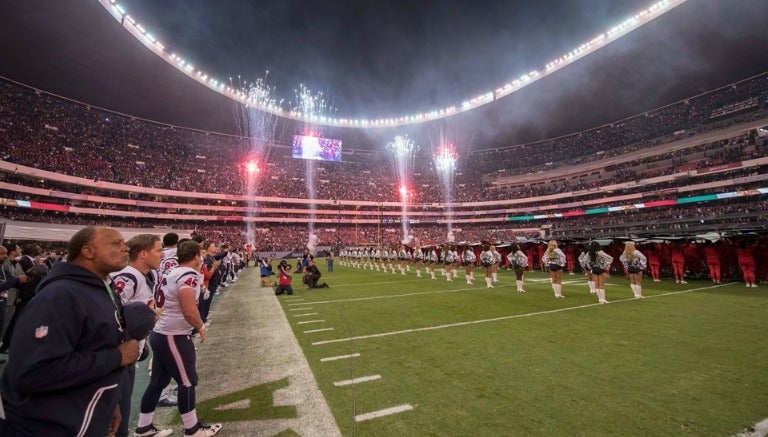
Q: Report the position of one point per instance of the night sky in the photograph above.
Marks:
(380, 59)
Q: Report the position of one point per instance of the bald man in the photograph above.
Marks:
(68, 353)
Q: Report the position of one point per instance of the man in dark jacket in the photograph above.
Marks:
(68, 355)
(312, 275)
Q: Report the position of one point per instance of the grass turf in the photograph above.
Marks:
(690, 363)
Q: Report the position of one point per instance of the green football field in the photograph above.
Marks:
(399, 355)
(395, 355)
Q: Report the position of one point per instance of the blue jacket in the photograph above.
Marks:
(64, 368)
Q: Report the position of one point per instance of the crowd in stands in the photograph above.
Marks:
(46, 132)
(50, 133)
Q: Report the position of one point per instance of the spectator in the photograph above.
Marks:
(68, 349)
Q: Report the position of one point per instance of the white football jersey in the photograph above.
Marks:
(171, 321)
(131, 285)
(169, 261)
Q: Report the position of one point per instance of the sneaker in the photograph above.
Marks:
(167, 402)
(202, 430)
(151, 431)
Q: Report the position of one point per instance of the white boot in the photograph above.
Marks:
(558, 290)
(495, 277)
(591, 287)
(488, 283)
(455, 273)
(432, 272)
(418, 273)
(469, 280)
(601, 295)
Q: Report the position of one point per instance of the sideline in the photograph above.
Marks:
(250, 343)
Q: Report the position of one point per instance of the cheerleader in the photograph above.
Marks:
(456, 261)
(584, 263)
(468, 260)
(496, 262)
(431, 262)
(634, 263)
(404, 257)
(487, 260)
(599, 265)
(519, 262)
(446, 257)
(377, 258)
(392, 260)
(418, 257)
(554, 259)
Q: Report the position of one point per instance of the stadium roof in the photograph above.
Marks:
(426, 55)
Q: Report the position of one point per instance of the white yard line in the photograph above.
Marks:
(354, 381)
(304, 315)
(390, 296)
(496, 319)
(339, 357)
(384, 412)
(318, 330)
(300, 309)
(309, 321)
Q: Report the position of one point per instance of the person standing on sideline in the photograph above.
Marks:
(169, 261)
(746, 263)
(135, 283)
(8, 281)
(519, 262)
(12, 269)
(211, 276)
(678, 263)
(554, 259)
(34, 270)
(171, 341)
(712, 257)
(634, 263)
(654, 263)
(329, 262)
(68, 357)
(599, 264)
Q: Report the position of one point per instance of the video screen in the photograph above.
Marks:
(321, 149)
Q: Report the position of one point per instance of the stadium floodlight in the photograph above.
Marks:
(624, 27)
